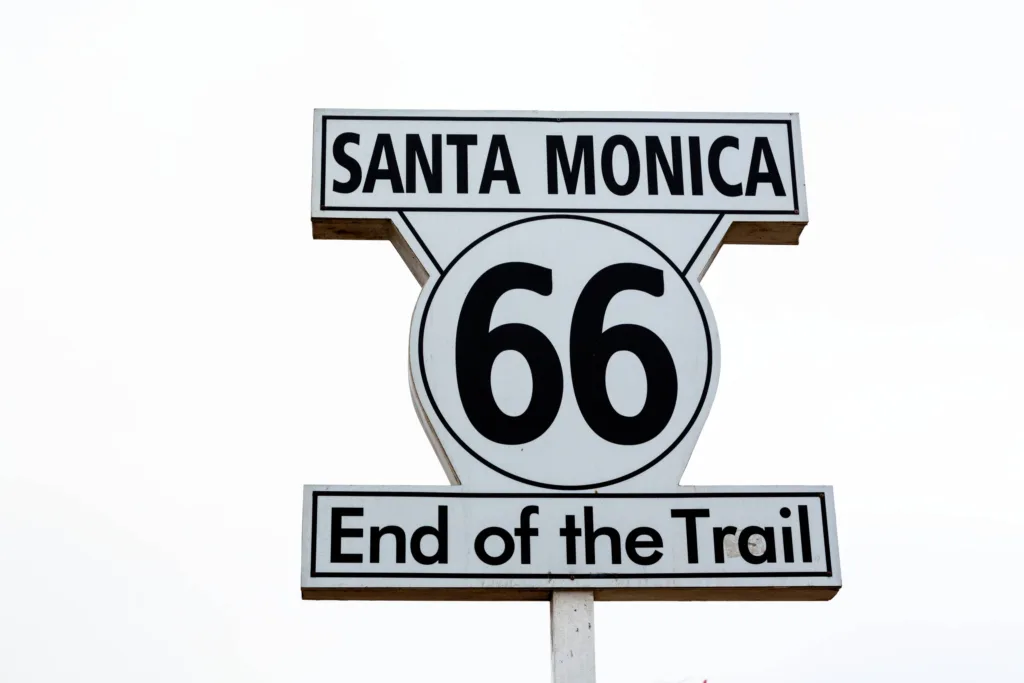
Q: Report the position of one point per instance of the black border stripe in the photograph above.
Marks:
(323, 165)
(547, 119)
(792, 169)
(577, 577)
(422, 209)
(423, 245)
(591, 496)
(580, 576)
(703, 243)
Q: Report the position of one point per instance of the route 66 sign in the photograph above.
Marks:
(562, 345)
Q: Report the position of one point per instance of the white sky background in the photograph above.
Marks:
(178, 356)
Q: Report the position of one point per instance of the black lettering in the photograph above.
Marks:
(696, 167)
(634, 542)
(656, 159)
(608, 168)
(590, 536)
(805, 533)
(768, 534)
(461, 143)
(416, 155)
(440, 532)
(338, 532)
(506, 553)
(691, 517)
(355, 174)
(715, 166)
(571, 532)
(507, 173)
(787, 537)
(763, 150)
(377, 533)
(720, 533)
(582, 159)
(383, 148)
(524, 531)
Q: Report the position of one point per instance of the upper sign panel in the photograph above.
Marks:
(739, 164)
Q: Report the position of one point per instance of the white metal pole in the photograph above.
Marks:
(572, 637)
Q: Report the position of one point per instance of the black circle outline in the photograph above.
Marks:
(568, 487)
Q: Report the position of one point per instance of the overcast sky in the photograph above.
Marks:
(178, 356)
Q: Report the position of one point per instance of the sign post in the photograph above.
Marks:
(572, 637)
(563, 359)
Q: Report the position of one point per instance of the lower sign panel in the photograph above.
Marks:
(695, 543)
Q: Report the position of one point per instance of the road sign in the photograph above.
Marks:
(691, 543)
(563, 357)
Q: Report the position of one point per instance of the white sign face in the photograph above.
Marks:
(722, 163)
(562, 354)
(581, 354)
(360, 543)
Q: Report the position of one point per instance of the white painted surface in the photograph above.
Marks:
(572, 637)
